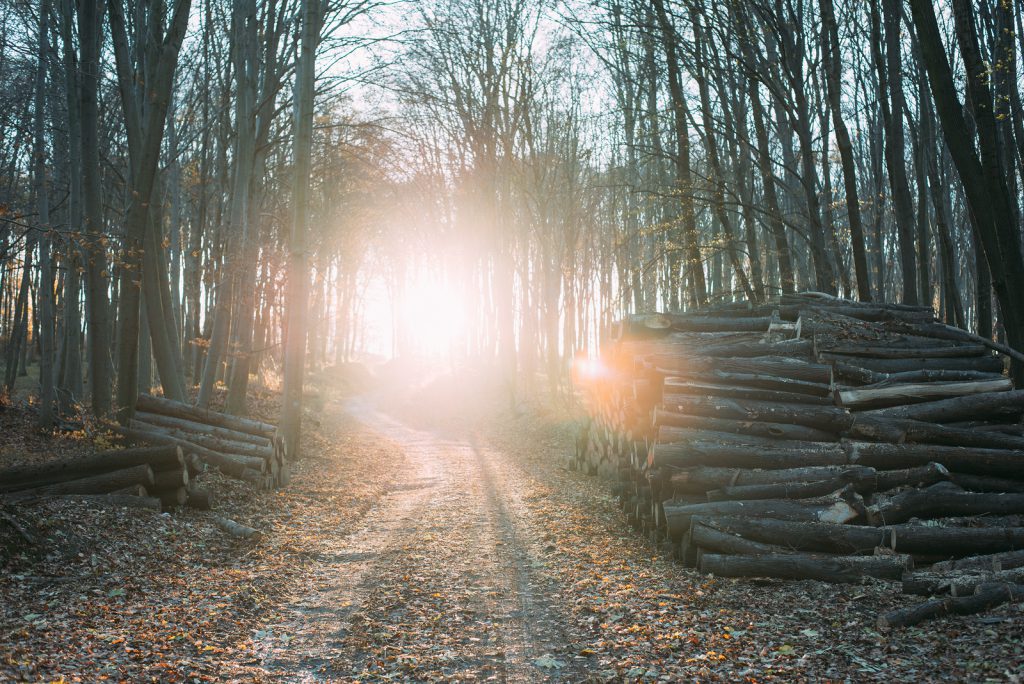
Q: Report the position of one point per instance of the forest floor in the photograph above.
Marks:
(431, 534)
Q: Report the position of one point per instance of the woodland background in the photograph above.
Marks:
(201, 191)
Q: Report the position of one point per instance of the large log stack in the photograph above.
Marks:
(812, 438)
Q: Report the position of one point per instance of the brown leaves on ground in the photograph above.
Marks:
(129, 595)
(114, 594)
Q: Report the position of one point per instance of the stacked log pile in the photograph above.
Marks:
(813, 438)
(156, 477)
(241, 448)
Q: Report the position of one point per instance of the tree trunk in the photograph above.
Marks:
(298, 270)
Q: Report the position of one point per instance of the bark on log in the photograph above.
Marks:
(201, 428)
(987, 596)
(739, 455)
(864, 482)
(898, 430)
(936, 376)
(703, 478)
(785, 490)
(64, 469)
(887, 351)
(993, 562)
(965, 584)
(982, 483)
(676, 389)
(753, 428)
(959, 408)
(199, 499)
(858, 539)
(972, 460)
(236, 529)
(840, 508)
(233, 466)
(103, 483)
(902, 394)
(758, 365)
(170, 479)
(169, 498)
(941, 500)
(982, 364)
(766, 382)
(830, 419)
(176, 409)
(218, 444)
(711, 539)
(806, 566)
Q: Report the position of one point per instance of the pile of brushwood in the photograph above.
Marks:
(817, 438)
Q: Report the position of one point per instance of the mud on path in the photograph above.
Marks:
(444, 579)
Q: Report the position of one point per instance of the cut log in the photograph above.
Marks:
(759, 365)
(976, 461)
(220, 445)
(170, 498)
(740, 455)
(754, 428)
(840, 508)
(988, 596)
(176, 409)
(710, 539)
(993, 562)
(785, 490)
(170, 479)
(900, 394)
(959, 408)
(675, 388)
(234, 466)
(201, 428)
(103, 483)
(858, 539)
(898, 430)
(830, 419)
(941, 500)
(767, 382)
(921, 476)
(941, 331)
(965, 584)
(199, 499)
(703, 478)
(806, 566)
(981, 483)
(899, 352)
(64, 469)
(983, 364)
(935, 376)
(236, 529)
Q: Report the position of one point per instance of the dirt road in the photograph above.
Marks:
(443, 579)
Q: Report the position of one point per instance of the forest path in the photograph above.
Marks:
(443, 579)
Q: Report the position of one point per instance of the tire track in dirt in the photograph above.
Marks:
(342, 575)
(443, 579)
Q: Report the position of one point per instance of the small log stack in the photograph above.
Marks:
(147, 477)
(241, 448)
(813, 438)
